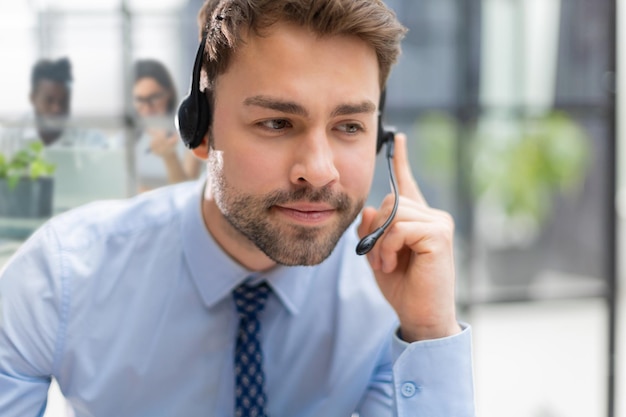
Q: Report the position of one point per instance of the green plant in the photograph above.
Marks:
(521, 164)
(517, 164)
(25, 163)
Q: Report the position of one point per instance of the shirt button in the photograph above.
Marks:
(408, 389)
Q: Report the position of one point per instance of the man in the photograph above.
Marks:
(245, 296)
(50, 97)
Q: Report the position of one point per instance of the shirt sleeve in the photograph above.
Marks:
(30, 324)
(434, 377)
(428, 378)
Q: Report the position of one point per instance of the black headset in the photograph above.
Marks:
(194, 111)
(195, 114)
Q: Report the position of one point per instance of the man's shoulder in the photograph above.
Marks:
(153, 213)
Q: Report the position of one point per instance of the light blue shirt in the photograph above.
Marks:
(128, 305)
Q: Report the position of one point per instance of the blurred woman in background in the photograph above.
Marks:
(155, 100)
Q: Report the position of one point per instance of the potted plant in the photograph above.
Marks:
(515, 167)
(26, 183)
(520, 166)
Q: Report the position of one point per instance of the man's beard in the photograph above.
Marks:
(286, 244)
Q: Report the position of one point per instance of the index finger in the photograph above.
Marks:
(407, 186)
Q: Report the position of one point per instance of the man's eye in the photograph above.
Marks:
(350, 128)
(276, 124)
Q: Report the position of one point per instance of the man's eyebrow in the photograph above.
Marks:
(290, 107)
(276, 104)
(347, 109)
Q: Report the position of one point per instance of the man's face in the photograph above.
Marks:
(294, 144)
(51, 103)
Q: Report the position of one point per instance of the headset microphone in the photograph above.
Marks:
(385, 136)
(367, 243)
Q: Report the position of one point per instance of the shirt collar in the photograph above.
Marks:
(216, 274)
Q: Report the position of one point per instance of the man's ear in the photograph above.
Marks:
(202, 151)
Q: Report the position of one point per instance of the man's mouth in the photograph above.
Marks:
(311, 213)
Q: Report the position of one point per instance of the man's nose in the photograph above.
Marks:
(314, 161)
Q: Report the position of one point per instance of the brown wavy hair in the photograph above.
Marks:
(224, 21)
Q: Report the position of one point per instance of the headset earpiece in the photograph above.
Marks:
(385, 134)
(194, 111)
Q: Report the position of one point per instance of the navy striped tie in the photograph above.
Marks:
(250, 398)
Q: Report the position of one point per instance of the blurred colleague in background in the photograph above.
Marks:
(154, 99)
(50, 97)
